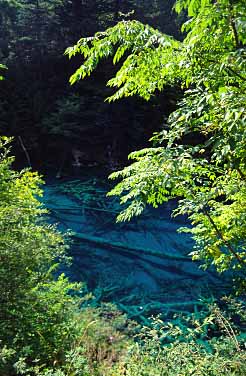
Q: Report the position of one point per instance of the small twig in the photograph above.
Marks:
(25, 151)
(235, 34)
(236, 73)
(241, 173)
(228, 328)
(229, 69)
(59, 172)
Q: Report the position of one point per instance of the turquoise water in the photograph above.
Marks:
(143, 266)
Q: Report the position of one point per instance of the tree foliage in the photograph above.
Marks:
(199, 156)
(36, 310)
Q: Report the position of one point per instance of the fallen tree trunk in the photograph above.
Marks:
(125, 248)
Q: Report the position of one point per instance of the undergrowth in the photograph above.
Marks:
(108, 344)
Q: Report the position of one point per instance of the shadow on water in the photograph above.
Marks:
(143, 266)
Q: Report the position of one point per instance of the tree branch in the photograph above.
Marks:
(233, 26)
(220, 235)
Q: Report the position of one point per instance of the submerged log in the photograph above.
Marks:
(138, 311)
(127, 249)
(78, 210)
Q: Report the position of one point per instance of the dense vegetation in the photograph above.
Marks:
(39, 107)
(47, 326)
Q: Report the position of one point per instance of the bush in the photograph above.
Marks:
(43, 331)
(198, 344)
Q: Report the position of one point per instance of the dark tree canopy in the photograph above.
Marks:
(36, 96)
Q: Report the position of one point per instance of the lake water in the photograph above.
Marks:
(143, 266)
